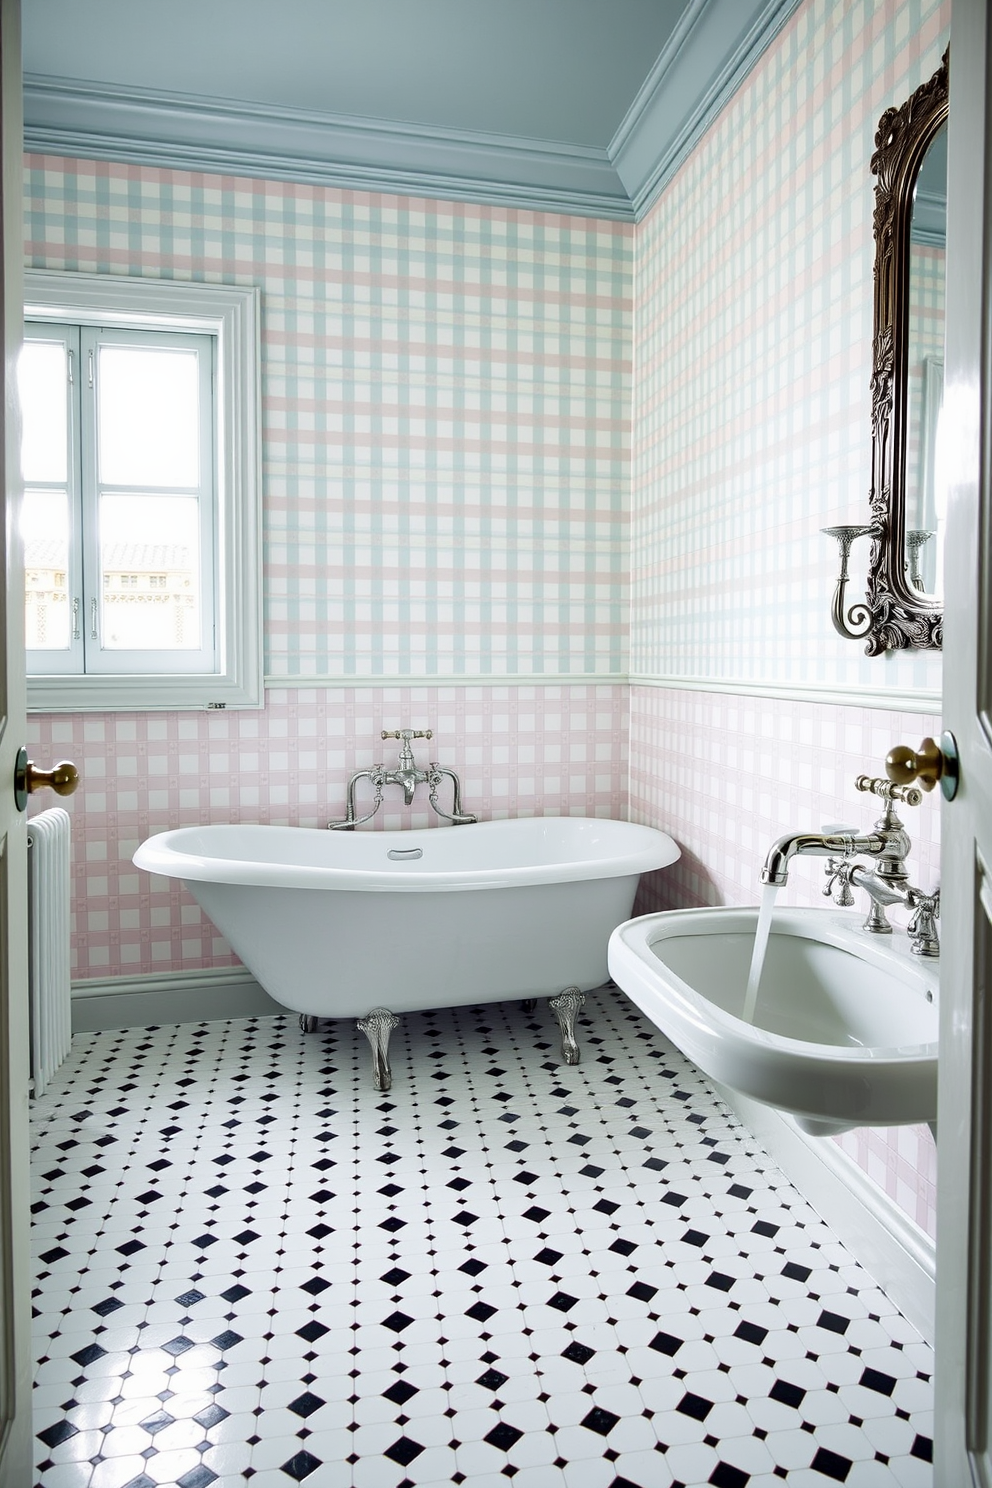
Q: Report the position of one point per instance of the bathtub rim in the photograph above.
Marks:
(166, 854)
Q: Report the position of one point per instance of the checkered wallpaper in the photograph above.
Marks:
(445, 409)
(752, 354)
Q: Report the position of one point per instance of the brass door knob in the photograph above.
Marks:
(931, 763)
(61, 778)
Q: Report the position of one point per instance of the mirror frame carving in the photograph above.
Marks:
(901, 617)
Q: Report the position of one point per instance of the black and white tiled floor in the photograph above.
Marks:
(254, 1268)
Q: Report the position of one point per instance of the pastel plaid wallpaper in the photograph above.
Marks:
(752, 359)
(752, 354)
(445, 409)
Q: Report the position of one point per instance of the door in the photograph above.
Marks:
(964, 1122)
(15, 1351)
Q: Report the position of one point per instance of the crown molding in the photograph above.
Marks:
(63, 116)
(710, 52)
(707, 57)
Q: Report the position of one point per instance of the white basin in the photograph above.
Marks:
(845, 1025)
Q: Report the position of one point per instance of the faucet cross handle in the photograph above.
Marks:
(408, 734)
(888, 790)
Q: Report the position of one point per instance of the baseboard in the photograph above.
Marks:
(168, 997)
(900, 1257)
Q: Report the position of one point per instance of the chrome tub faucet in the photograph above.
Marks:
(408, 775)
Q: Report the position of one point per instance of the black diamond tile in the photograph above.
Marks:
(665, 1343)
(562, 1302)
(718, 1280)
(481, 1311)
(158, 1422)
(395, 1276)
(492, 1379)
(503, 1436)
(787, 1394)
(211, 1415)
(310, 1332)
(473, 1266)
(233, 1294)
(606, 1206)
(833, 1322)
(831, 1465)
(198, 1477)
(725, 1476)
(314, 1286)
(226, 1340)
(104, 1309)
(795, 1272)
(873, 1379)
(305, 1405)
(88, 1355)
(694, 1406)
(392, 1224)
(401, 1392)
(642, 1291)
(601, 1421)
(177, 1346)
(751, 1333)
(923, 1448)
(578, 1353)
(190, 1299)
(397, 1321)
(536, 1214)
(54, 1436)
(404, 1451)
(301, 1466)
(623, 1247)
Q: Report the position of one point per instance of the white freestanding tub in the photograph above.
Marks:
(363, 924)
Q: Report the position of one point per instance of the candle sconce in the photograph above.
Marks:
(857, 622)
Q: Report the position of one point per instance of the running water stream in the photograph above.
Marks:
(761, 934)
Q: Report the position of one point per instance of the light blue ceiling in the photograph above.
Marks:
(578, 105)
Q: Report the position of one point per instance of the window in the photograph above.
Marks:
(140, 508)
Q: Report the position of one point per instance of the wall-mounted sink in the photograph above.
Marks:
(845, 1025)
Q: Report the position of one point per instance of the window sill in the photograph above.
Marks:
(124, 694)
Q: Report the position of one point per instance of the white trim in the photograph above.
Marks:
(894, 700)
(106, 121)
(461, 679)
(899, 1255)
(232, 315)
(212, 993)
(708, 56)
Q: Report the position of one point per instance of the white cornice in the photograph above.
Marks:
(174, 130)
(708, 56)
(714, 46)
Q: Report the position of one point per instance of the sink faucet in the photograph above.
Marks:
(408, 776)
(885, 884)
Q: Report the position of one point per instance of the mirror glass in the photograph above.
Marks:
(925, 370)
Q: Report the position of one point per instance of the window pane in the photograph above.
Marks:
(150, 573)
(149, 417)
(45, 528)
(41, 382)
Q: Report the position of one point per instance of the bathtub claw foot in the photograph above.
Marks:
(528, 1004)
(377, 1026)
(566, 1008)
(307, 1022)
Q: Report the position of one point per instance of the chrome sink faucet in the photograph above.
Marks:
(408, 775)
(887, 883)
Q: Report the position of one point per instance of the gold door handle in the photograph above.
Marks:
(931, 763)
(61, 778)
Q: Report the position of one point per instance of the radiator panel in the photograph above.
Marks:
(48, 943)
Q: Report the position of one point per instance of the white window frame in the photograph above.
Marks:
(232, 316)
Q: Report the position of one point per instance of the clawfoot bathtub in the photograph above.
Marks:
(370, 924)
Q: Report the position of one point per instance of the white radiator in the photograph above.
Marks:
(48, 943)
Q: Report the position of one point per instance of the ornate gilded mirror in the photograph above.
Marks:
(903, 606)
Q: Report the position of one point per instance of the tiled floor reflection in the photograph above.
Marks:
(254, 1268)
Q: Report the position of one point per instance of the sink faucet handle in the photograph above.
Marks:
(408, 734)
(888, 790)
